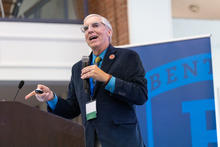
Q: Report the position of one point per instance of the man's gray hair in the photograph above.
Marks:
(103, 19)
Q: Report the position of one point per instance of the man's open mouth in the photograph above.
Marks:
(93, 37)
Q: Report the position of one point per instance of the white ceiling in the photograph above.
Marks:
(199, 9)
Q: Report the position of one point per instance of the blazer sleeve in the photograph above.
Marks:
(68, 108)
(132, 87)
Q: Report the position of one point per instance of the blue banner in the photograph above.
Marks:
(180, 111)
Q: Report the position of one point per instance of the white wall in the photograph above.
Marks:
(149, 21)
(39, 51)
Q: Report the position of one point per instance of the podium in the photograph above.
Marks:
(25, 126)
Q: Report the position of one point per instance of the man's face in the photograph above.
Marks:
(96, 33)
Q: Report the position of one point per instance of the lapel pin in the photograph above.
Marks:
(112, 56)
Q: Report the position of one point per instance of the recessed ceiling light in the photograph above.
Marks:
(194, 8)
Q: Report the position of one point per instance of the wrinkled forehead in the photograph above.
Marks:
(92, 19)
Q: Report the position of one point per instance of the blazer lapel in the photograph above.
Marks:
(106, 64)
(108, 59)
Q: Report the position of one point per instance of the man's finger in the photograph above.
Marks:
(85, 70)
(30, 95)
(88, 69)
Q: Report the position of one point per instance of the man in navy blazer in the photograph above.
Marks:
(116, 85)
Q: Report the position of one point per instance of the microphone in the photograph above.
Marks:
(21, 84)
(85, 62)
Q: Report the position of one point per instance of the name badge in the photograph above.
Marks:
(91, 112)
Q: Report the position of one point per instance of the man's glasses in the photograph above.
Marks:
(93, 25)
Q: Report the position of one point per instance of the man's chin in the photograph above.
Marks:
(94, 45)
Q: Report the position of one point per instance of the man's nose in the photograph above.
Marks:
(90, 28)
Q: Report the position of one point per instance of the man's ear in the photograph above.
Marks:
(109, 32)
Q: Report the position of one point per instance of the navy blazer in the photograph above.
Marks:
(116, 123)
